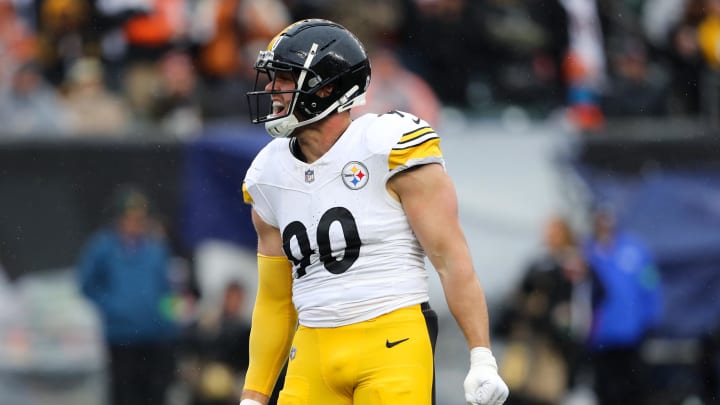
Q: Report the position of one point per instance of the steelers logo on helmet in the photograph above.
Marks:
(355, 175)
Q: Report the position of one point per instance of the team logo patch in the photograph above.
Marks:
(309, 175)
(355, 175)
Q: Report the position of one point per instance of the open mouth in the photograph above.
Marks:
(278, 109)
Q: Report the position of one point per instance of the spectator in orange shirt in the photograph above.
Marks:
(17, 42)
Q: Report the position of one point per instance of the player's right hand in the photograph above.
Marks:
(483, 385)
(249, 402)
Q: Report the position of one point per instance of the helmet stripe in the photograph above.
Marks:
(273, 42)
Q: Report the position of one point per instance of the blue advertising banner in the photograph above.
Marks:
(215, 166)
(677, 212)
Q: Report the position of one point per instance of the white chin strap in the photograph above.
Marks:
(282, 127)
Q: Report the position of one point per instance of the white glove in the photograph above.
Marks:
(249, 402)
(483, 385)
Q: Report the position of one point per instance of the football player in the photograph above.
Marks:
(346, 211)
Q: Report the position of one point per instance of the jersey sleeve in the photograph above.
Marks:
(412, 142)
(252, 190)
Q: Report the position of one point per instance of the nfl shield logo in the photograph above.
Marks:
(309, 175)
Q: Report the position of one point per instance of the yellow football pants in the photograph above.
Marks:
(383, 361)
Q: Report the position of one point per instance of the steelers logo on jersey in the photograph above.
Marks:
(355, 175)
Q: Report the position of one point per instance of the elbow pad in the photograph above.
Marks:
(274, 321)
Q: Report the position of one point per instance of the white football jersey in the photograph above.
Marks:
(354, 254)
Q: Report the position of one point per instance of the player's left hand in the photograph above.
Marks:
(483, 385)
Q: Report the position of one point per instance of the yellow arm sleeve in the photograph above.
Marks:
(274, 321)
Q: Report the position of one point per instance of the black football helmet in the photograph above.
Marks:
(318, 53)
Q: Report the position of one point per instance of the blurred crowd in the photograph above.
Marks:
(580, 316)
(132, 67)
(165, 342)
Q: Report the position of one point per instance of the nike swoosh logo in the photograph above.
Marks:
(416, 120)
(390, 344)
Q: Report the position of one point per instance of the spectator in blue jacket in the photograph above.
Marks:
(123, 270)
(627, 304)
